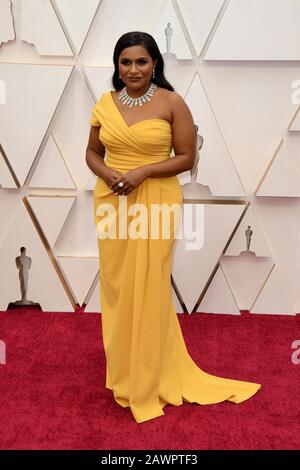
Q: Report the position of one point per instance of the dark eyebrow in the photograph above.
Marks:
(139, 58)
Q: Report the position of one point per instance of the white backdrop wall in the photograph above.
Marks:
(237, 64)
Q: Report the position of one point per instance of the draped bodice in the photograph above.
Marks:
(127, 147)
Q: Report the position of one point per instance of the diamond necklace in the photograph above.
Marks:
(126, 99)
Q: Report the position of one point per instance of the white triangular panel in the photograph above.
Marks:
(218, 224)
(80, 273)
(283, 176)
(72, 144)
(199, 17)
(91, 182)
(295, 125)
(51, 213)
(215, 168)
(180, 78)
(40, 26)
(274, 298)
(178, 44)
(6, 179)
(2, 92)
(44, 285)
(257, 30)
(78, 237)
(94, 303)
(77, 17)
(7, 32)
(99, 79)
(258, 244)
(252, 106)
(36, 97)
(246, 275)
(218, 297)
(51, 170)
(281, 222)
(9, 202)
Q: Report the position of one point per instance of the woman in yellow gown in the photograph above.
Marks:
(147, 362)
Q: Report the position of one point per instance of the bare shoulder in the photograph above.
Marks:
(169, 95)
(176, 101)
(179, 109)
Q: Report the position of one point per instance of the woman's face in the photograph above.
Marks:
(135, 67)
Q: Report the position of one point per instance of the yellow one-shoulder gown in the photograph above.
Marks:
(147, 362)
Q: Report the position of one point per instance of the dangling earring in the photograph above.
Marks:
(153, 73)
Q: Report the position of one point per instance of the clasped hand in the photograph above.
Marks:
(131, 180)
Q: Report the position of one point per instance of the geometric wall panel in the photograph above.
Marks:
(78, 237)
(2, 92)
(40, 26)
(199, 17)
(51, 170)
(99, 79)
(295, 124)
(30, 105)
(281, 223)
(218, 224)
(218, 297)
(252, 104)
(90, 182)
(180, 76)
(77, 17)
(246, 274)
(215, 168)
(257, 30)
(282, 178)
(7, 32)
(94, 303)
(274, 296)
(108, 26)
(79, 273)
(9, 201)
(6, 179)
(238, 243)
(51, 213)
(71, 127)
(178, 44)
(42, 275)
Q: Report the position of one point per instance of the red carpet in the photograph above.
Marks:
(53, 396)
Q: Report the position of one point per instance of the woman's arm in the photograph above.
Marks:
(95, 153)
(183, 142)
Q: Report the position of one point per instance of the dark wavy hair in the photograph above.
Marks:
(139, 38)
